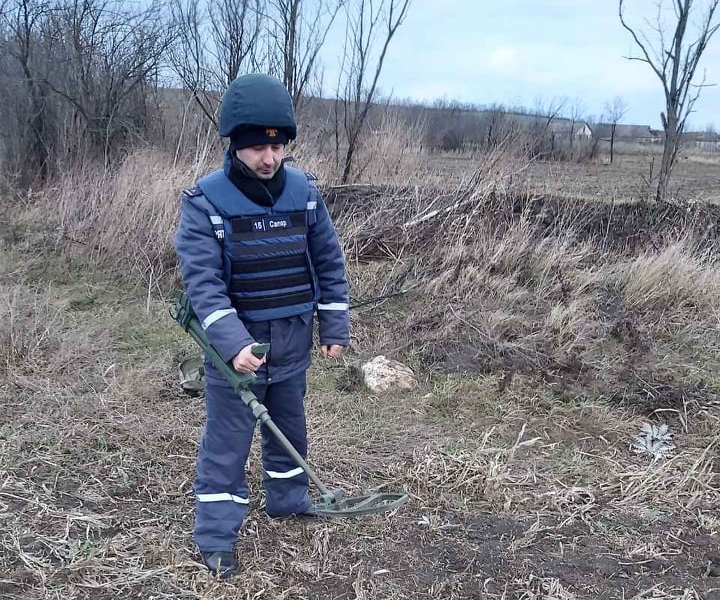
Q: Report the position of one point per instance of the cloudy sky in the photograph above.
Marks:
(530, 53)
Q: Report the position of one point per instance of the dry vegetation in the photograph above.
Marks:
(548, 309)
(545, 331)
(631, 178)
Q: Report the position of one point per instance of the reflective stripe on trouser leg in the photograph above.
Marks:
(221, 493)
(286, 485)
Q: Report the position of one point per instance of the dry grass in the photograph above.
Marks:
(123, 219)
(513, 494)
(678, 278)
(490, 279)
(545, 335)
(30, 333)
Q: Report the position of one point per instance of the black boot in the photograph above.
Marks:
(222, 564)
(308, 513)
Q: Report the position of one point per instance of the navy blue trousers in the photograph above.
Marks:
(221, 492)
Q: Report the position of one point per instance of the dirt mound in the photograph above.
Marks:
(591, 299)
(635, 227)
(630, 228)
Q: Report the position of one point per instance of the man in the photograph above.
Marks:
(258, 255)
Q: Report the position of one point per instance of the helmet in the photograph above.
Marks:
(257, 100)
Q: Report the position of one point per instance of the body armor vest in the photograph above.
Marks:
(265, 252)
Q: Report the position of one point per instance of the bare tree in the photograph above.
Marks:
(110, 53)
(577, 111)
(674, 58)
(297, 30)
(216, 42)
(360, 73)
(541, 129)
(80, 77)
(22, 21)
(614, 111)
(496, 117)
(446, 126)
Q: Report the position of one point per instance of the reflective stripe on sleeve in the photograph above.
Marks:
(333, 306)
(217, 315)
(221, 498)
(286, 474)
(312, 205)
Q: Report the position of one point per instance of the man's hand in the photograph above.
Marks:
(245, 362)
(331, 351)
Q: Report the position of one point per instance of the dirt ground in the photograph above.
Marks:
(519, 488)
(512, 496)
(629, 178)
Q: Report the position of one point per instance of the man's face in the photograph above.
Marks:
(264, 160)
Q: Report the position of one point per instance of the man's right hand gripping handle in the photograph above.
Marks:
(250, 358)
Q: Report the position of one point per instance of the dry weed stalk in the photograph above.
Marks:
(29, 325)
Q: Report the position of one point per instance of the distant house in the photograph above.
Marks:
(629, 133)
(705, 140)
(559, 127)
(567, 128)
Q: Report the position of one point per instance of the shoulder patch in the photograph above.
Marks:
(192, 192)
(310, 176)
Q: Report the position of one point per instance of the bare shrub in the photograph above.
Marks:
(391, 152)
(123, 219)
(187, 132)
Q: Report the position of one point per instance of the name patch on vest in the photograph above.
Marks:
(271, 223)
(268, 226)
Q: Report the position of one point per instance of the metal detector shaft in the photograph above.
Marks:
(241, 382)
(261, 413)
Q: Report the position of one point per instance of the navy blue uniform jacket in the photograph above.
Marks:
(203, 262)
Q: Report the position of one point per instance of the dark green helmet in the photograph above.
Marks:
(257, 100)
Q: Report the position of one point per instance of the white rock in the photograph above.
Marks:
(383, 374)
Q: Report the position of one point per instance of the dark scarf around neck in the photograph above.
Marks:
(260, 191)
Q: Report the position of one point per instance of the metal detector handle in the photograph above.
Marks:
(260, 350)
(181, 310)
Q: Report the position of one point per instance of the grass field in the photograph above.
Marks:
(544, 334)
(696, 177)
